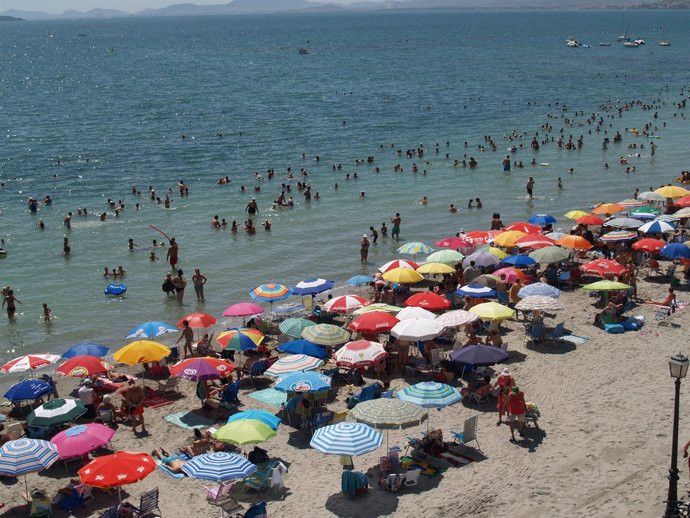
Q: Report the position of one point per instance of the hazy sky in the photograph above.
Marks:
(58, 6)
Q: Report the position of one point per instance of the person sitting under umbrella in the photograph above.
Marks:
(493, 337)
(171, 462)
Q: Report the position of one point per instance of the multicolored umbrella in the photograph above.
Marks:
(141, 351)
(258, 415)
(240, 339)
(388, 413)
(398, 263)
(219, 466)
(539, 303)
(81, 366)
(482, 259)
(649, 244)
(542, 220)
(293, 363)
(430, 394)
(30, 389)
(243, 309)
(477, 291)
(415, 248)
(435, 269)
(521, 226)
(454, 243)
(672, 191)
(606, 286)
(373, 322)
(603, 267)
(312, 286)
(630, 203)
(360, 353)
(117, 469)
(99, 351)
(534, 241)
(539, 288)
(29, 362)
(508, 238)
(202, 369)
(657, 227)
(492, 311)
(676, 251)
(415, 329)
(618, 235)
(197, 320)
(151, 329)
(403, 276)
(479, 355)
(293, 327)
(571, 241)
(414, 312)
(55, 412)
(645, 213)
(23, 456)
(428, 300)
(345, 303)
(590, 219)
(271, 292)
(308, 381)
(348, 439)
(303, 347)
(244, 431)
(550, 254)
(82, 439)
(449, 257)
(608, 208)
(326, 335)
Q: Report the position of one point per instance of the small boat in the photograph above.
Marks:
(664, 42)
(631, 44)
(303, 51)
(639, 41)
(604, 44)
(572, 42)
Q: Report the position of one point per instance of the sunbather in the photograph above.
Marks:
(170, 461)
(201, 444)
(481, 389)
(669, 301)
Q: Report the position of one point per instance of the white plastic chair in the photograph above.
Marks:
(412, 476)
(469, 432)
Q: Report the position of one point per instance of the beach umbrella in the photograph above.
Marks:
(377, 306)
(388, 413)
(606, 286)
(496, 252)
(308, 381)
(428, 300)
(555, 235)
(650, 196)
(630, 203)
(672, 191)
(293, 363)
(572, 241)
(623, 223)
(293, 327)
(326, 335)
(117, 469)
(479, 355)
(258, 415)
(509, 237)
(522, 226)
(542, 220)
(99, 351)
(482, 259)
(603, 267)
(676, 251)
(535, 241)
(219, 466)
(270, 292)
(550, 254)
(55, 412)
(608, 208)
(360, 353)
(539, 288)
(414, 312)
(456, 318)
(141, 351)
(415, 329)
(150, 329)
(30, 389)
(23, 456)
(349, 439)
(454, 243)
(683, 213)
(649, 244)
(197, 320)
(345, 303)
(448, 257)
(487, 279)
(492, 311)
(359, 280)
(430, 394)
(29, 362)
(435, 269)
(303, 347)
(539, 303)
(415, 248)
(590, 219)
(201, 369)
(519, 260)
(479, 237)
(373, 322)
(645, 213)
(243, 309)
(82, 439)
(81, 366)
(575, 214)
(398, 263)
(657, 227)
(240, 339)
(402, 276)
(683, 202)
(244, 431)
(476, 291)
(287, 310)
(312, 286)
(511, 275)
(618, 235)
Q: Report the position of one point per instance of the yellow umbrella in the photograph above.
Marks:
(575, 214)
(376, 307)
(403, 276)
(492, 311)
(435, 268)
(497, 253)
(672, 191)
(141, 351)
(508, 238)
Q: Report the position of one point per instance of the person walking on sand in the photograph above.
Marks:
(180, 283)
(199, 280)
(364, 248)
(10, 300)
(505, 383)
(172, 255)
(517, 408)
(395, 231)
(188, 335)
(134, 398)
(530, 186)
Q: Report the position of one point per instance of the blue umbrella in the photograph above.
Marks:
(307, 381)
(542, 220)
(657, 226)
(346, 439)
(476, 291)
(539, 288)
(259, 415)
(359, 280)
(219, 466)
(519, 260)
(99, 351)
(303, 347)
(28, 389)
(676, 251)
(151, 329)
(312, 286)
(479, 355)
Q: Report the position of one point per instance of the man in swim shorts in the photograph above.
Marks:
(395, 231)
(530, 186)
(134, 398)
(172, 253)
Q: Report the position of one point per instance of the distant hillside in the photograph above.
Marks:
(667, 4)
(10, 19)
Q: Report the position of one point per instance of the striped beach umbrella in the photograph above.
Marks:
(23, 456)
(539, 288)
(240, 339)
(308, 381)
(456, 318)
(535, 241)
(398, 263)
(631, 203)
(243, 309)
(618, 235)
(219, 466)
(326, 334)
(312, 286)
(415, 248)
(645, 213)
(259, 415)
(270, 292)
(348, 439)
(388, 413)
(682, 213)
(345, 303)
(430, 394)
(360, 353)
(403, 276)
(55, 412)
(81, 366)
(415, 312)
(476, 291)
(151, 329)
(449, 257)
(29, 362)
(539, 303)
(303, 347)
(99, 351)
(657, 227)
(623, 223)
(293, 363)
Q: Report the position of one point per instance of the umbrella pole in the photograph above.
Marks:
(119, 496)
(26, 488)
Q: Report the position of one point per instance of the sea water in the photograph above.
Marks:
(91, 108)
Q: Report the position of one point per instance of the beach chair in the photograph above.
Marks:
(257, 370)
(255, 511)
(469, 432)
(557, 334)
(148, 503)
(76, 499)
(107, 416)
(339, 417)
(365, 394)
(535, 332)
(216, 495)
(354, 483)
(171, 386)
(14, 430)
(670, 272)
(412, 476)
(481, 395)
(260, 479)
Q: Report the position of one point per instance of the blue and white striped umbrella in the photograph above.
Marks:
(312, 286)
(346, 439)
(539, 288)
(24, 456)
(430, 394)
(476, 291)
(309, 381)
(657, 227)
(218, 466)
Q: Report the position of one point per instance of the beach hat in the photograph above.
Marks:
(506, 372)
(516, 390)
(88, 382)
(107, 398)
(364, 235)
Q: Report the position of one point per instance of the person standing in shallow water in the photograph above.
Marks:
(530, 187)
(199, 280)
(9, 301)
(180, 283)
(172, 255)
(395, 231)
(364, 248)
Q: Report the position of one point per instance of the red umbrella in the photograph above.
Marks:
(117, 469)
(454, 243)
(683, 202)
(649, 245)
(205, 368)
(590, 219)
(603, 267)
(429, 301)
(345, 303)
(523, 226)
(197, 320)
(29, 361)
(535, 241)
(481, 236)
(81, 366)
(361, 353)
(374, 322)
(398, 263)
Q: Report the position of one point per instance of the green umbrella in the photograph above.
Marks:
(388, 413)
(244, 431)
(326, 334)
(606, 286)
(645, 210)
(293, 327)
(376, 307)
(450, 257)
(550, 254)
(55, 412)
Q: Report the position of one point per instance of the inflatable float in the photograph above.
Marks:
(115, 289)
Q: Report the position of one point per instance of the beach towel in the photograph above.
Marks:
(574, 339)
(189, 420)
(428, 470)
(269, 396)
(166, 470)
(156, 400)
(454, 459)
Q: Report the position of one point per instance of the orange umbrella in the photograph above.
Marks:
(197, 320)
(590, 219)
(608, 208)
(574, 242)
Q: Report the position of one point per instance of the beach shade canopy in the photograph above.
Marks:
(373, 322)
(430, 394)
(293, 327)
(428, 300)
(55, 412)
(539, 303)
(649, 244)
(258, 415)
(535, 241)
(608, 208)
(657, 226)
(403, 276)
(99, 351)
(650, 196)
(219, 466)
(623, 223)
(590, 219)
(308, 381)
(519, 260)
(479, 355)
(28, 390)
(482, 259)
(240, 339)
(630, 203)
(618, 235)
(81, 366)
(398, 263)
(676, 251)
(350, 439)
(388, 413)
(415, 248)
(480, 237)
(151, 329)
(294, 363)
(360, 353)
(575, 214)
(23, 456)
(509, 238)
(415, 329)
(244, 431)
(683, 202)
(606, 286)
(304, 347)
(573, 242)
(377, 306)
(29, 362)
(82, 439)
(672, 191)
(603, 267)
(197, 320)
(550, 254)
(488, 279)
(344, 304)
(414, 312)
(359, 280)
(456, 318)
(243, 309)
(539, 288)
(522, 226)
(435, 269)
(541, 220)
(496, 252)
(270, 292)
(202, 369)
(141, 351)
(117, 469)
(312, 286)
(511, 275)
(476, 291)
(492, 311)
(326, 334)
(448, 257)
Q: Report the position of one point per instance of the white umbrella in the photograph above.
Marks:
(415, 329)
(456, 318)
(650, 196)
(414, 312)
(624, 223)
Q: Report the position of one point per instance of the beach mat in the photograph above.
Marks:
(574, 339)
(427, 469)
(269, 396)
(157, 401)
(189, 420)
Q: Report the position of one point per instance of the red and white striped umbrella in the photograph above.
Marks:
(345, 303)
(28, 362)
(360, 353)
(398, 263)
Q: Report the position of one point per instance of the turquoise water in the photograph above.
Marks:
(84, 118)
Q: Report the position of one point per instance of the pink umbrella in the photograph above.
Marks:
(82, 439)
(511, 275)
(454, 242)
(243, 309)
